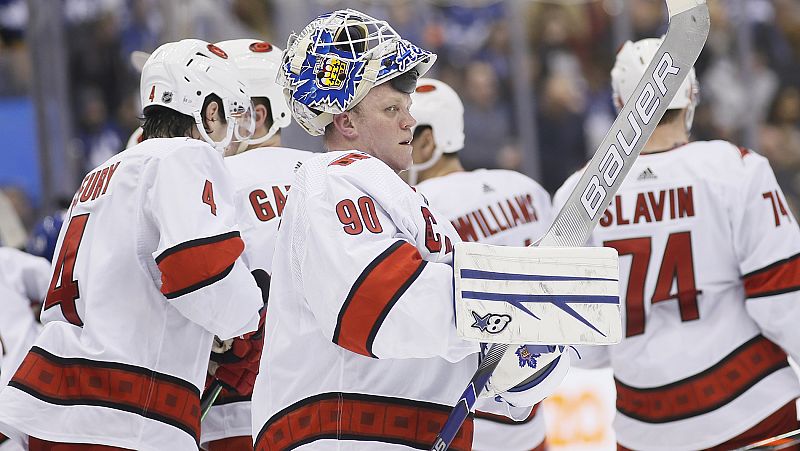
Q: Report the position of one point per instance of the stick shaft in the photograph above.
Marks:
(209, 396)
(688, 30)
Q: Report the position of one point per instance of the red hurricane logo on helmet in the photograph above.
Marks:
(217, 51)
(261, 47)
(425, 88)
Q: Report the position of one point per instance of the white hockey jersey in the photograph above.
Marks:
(23, 278)
(147, 271)
(491, 206)
(262, 178)
(503, 208)
(710, 256)
(361, 350)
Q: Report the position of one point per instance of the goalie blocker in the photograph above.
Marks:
(535, 295)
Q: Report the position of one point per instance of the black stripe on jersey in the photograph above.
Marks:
(232, 399)
(357, 284)
(771, 266)
(197, 242)
(201, 284)
(400, 292)
(76, 361)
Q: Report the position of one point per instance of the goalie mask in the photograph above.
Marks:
(337, 58)
(180, 75)
(259, 63)
(437, 105)
(632, 60)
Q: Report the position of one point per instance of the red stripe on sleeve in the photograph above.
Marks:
(195, 264)
(377, 289)
(780, 277)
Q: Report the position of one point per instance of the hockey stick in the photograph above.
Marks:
(688, 29)
(782, 441)
(209, 396)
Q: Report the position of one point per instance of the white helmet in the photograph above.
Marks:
(337, 58)
(259, 62)
(437, 105)
(632, 60)
(180, 75)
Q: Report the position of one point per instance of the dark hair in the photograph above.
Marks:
(670, 116)
(162, 122)
(265, 102)
(421, 128)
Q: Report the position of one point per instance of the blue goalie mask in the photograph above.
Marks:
(334, 62)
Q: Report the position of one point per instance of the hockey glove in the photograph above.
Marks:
(527, 374)
(237, 367)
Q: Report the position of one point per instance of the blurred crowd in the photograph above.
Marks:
(569, 46)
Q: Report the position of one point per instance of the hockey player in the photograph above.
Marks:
(361, 351)
(262, 173)
(23, 282)
(490, 206)
(147, 271)
(711, 259)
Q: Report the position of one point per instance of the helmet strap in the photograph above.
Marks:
(218, 146)
(415, 169)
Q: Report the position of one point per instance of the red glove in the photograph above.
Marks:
(238, 366)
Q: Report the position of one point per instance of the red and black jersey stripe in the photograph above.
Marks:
(198, 263)
(373, 295)
(705, 391)
(359, 417)
(496, 418)
(778, 278)
(77, 381)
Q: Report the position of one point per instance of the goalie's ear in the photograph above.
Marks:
(344, 123)
(537, 295)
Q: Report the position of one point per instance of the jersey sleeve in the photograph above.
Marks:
(767, 244)
(28, 274)
(199, 248)
(377, 267)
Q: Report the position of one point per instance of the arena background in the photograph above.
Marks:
(533, 74)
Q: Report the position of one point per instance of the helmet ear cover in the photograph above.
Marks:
(333, 63)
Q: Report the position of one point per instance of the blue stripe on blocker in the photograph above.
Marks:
(490, 275)
(560, 301)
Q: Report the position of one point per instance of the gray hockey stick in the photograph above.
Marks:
(783, 441)
(688, 29)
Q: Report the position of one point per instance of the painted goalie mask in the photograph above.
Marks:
(334, 62)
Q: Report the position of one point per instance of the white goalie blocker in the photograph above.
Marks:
(537, 295)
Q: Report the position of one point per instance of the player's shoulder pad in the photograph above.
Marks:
(268, 160)
(344, 159)
(190, 152)
(563, 192)
(369, 174)
(726, 158)
(509, 175)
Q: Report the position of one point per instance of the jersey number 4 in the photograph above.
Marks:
(676, 265)
(63, 287)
